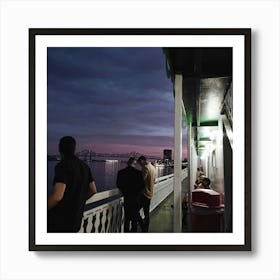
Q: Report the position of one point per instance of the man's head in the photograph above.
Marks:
(132, 162)
(67, 146)
(142, 161)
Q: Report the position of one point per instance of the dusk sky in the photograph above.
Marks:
(114, 100)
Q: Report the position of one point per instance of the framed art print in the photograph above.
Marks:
(140, 139)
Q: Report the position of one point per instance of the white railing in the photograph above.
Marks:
(163, 188)
(184, 173)
(109, 216)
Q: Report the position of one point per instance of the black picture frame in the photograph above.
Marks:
(246, 32)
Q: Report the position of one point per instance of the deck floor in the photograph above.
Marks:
(161, 219)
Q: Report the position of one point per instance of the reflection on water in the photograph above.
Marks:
(104, 173)
(111, 172)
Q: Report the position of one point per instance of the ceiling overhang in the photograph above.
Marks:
(207, 75)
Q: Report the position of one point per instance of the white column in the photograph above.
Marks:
(178, 154)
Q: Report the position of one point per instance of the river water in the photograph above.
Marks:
(104, 173)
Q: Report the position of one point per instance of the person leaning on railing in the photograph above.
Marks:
(73, 185)
(149, 176)
(131, 184)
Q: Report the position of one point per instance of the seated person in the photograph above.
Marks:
(198, 181)
(199, 173)
(206, 183)
(202, 183)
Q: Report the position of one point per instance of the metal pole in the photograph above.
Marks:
(178, 154)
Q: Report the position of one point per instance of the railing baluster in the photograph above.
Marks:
(103, 220)
(97, 222)
(106, 221)
(109, 218)
(82, 226)
(89, 224)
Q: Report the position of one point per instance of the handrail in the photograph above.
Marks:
(113, 192)
(160, 179)
(103, 195)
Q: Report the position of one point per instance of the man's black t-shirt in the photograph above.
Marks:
(130, 182)
(66, 216)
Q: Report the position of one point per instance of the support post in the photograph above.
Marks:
(178, 154)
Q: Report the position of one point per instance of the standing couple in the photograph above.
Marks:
(137, 188)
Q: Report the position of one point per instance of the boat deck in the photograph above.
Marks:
(161, 218)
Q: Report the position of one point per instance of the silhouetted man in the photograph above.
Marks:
(131, 184)
(73, 185)
(149, 176)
